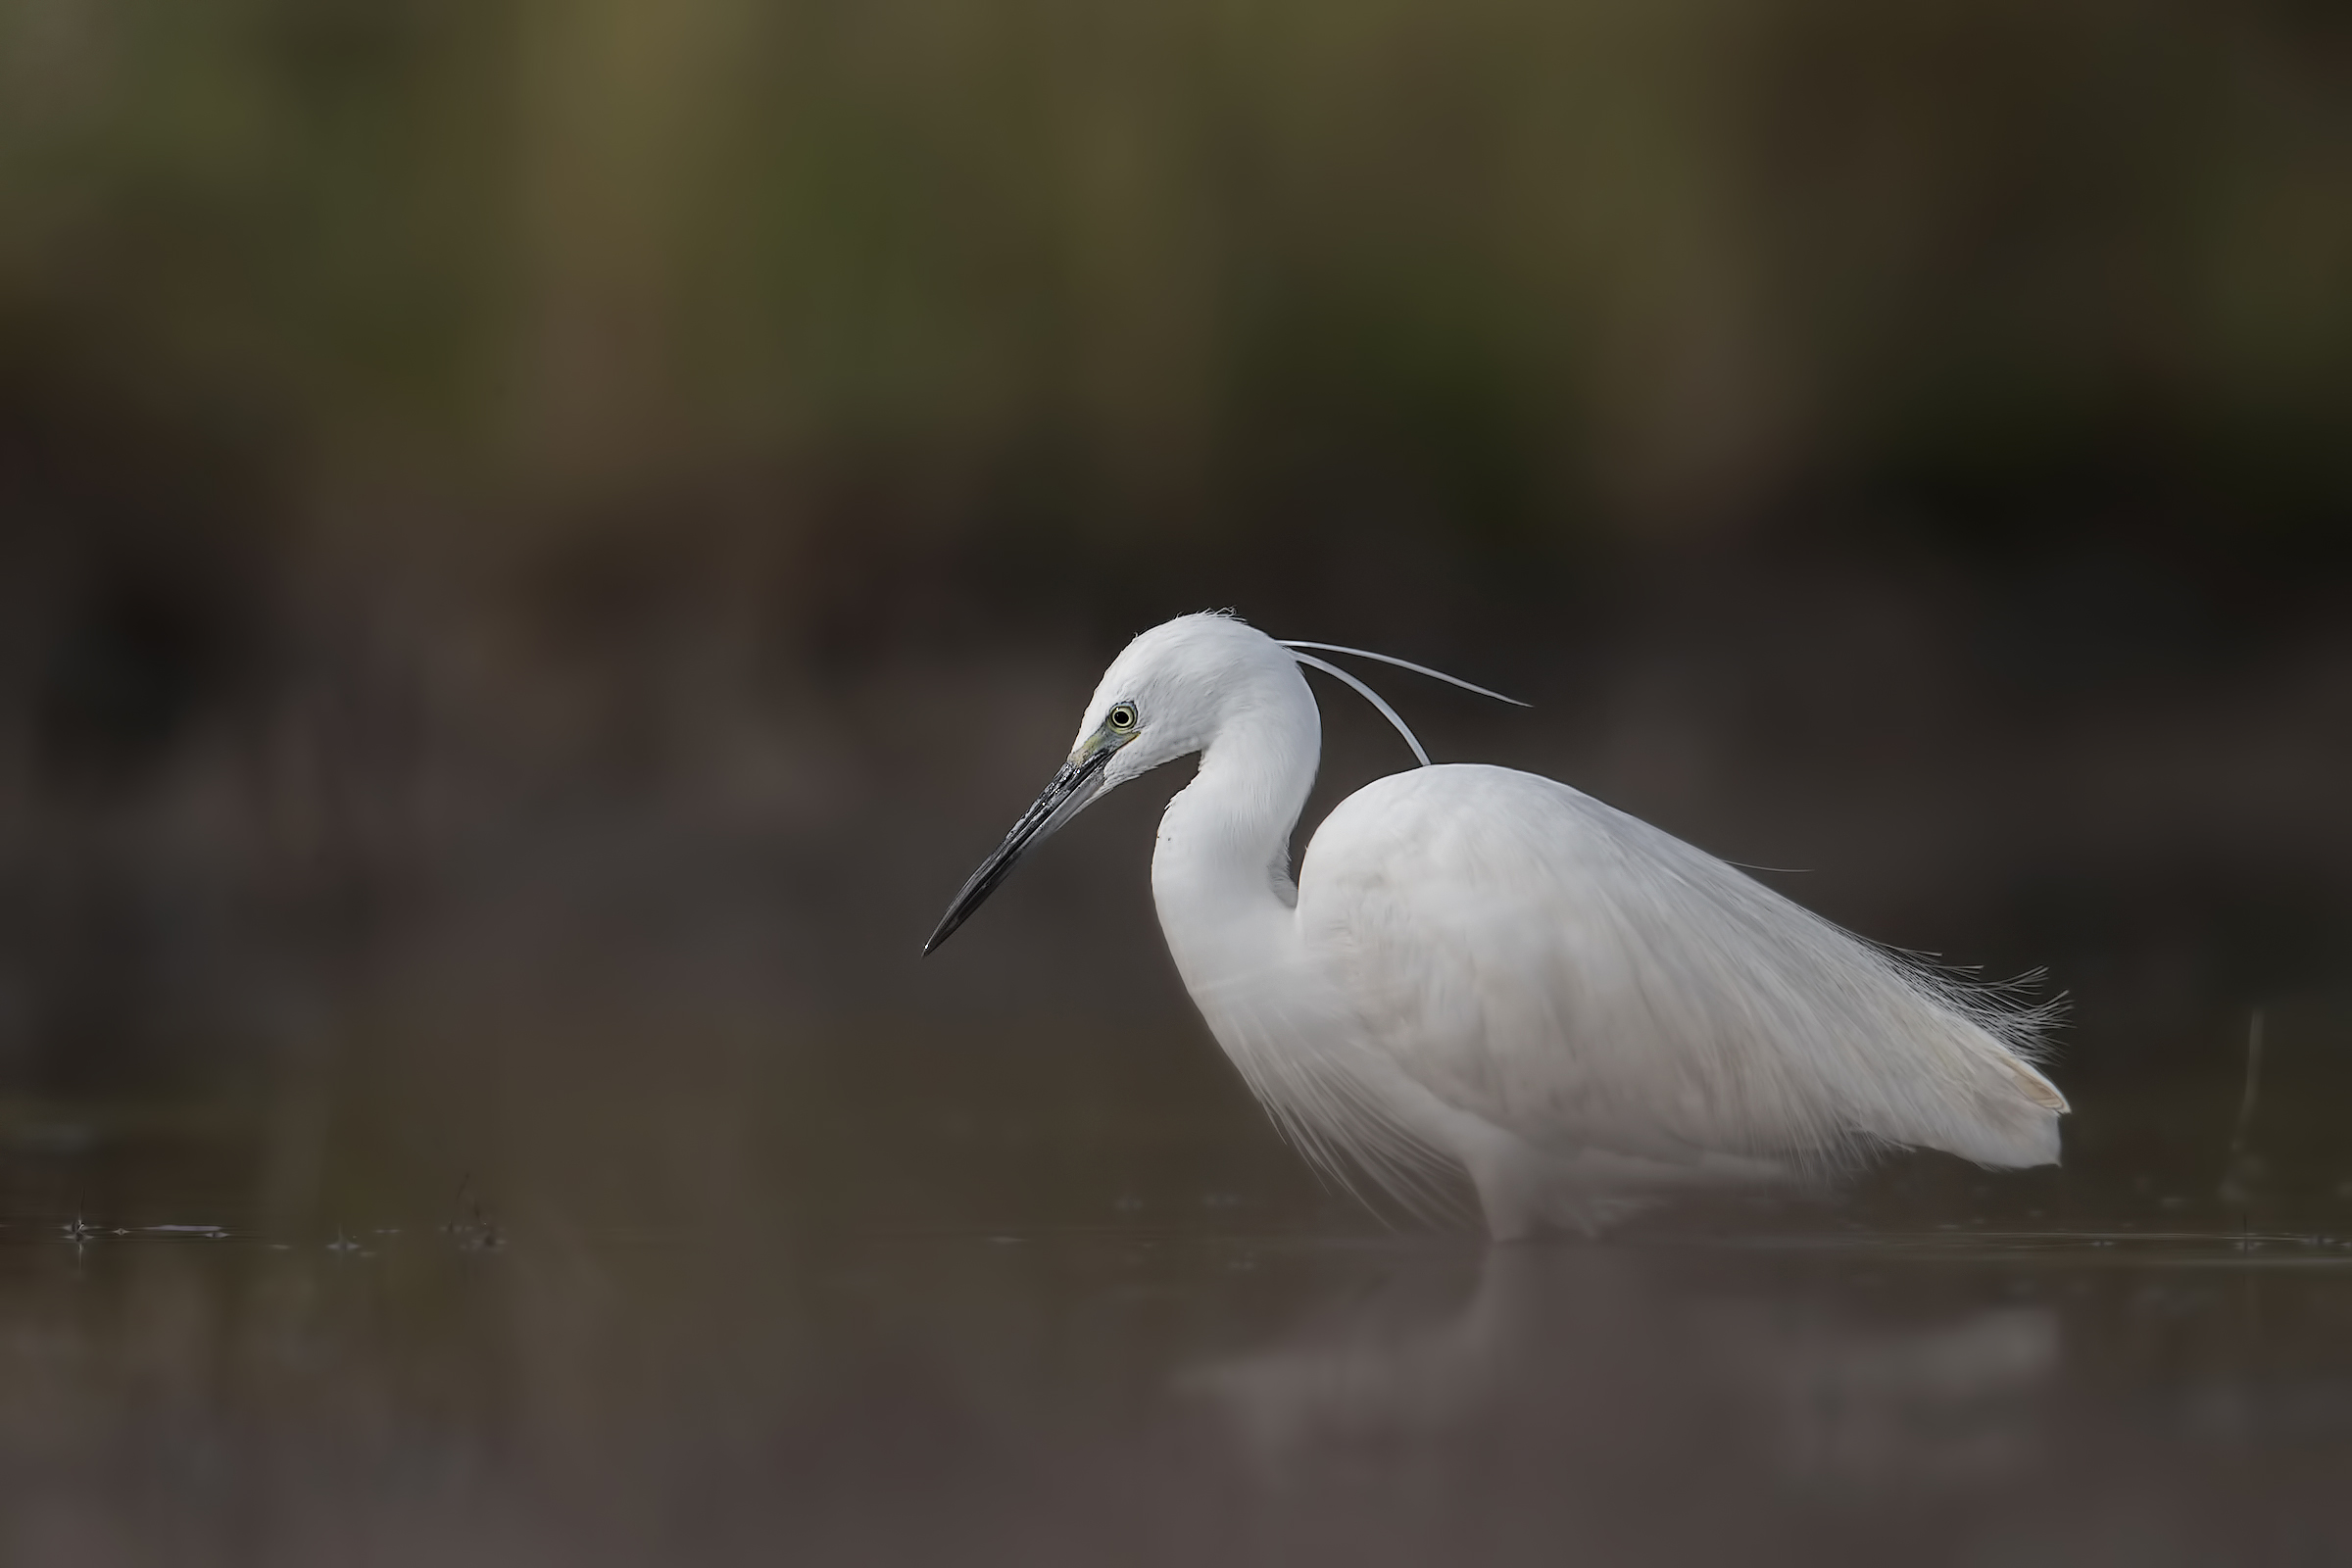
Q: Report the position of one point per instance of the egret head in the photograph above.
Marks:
(1166, 696)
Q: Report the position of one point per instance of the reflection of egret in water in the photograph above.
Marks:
(1482, 971)
(1616, 1366)
(1946, 1402)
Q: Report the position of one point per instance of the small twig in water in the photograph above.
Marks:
(2245, 1107)
(2239, 1164)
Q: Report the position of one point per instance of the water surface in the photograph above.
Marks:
(1918, 1371)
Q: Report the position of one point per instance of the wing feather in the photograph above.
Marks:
(1590, 982)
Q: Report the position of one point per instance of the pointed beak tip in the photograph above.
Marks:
(1076, 783)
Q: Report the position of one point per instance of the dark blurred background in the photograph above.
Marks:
(538, 543)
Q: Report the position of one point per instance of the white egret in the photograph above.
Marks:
(1480, 970)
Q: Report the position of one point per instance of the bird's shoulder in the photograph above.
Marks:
(1442, 827)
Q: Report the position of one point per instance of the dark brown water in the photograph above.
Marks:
(623, 1189)
(2111, 1364)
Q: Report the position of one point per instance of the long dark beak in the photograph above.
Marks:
(1062, 800)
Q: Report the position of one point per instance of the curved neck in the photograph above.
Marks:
(1221, 874)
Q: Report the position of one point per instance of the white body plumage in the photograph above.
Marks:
(1483, 969)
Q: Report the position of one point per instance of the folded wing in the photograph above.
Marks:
(1588, 982)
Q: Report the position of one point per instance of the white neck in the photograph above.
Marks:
(1220, 875)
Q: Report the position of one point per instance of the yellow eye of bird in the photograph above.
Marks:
(1122, 717)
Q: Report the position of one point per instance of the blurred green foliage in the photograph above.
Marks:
(1540, 267)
